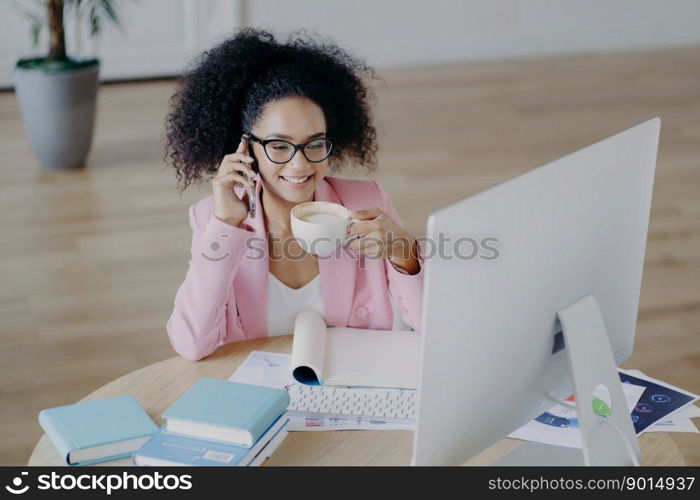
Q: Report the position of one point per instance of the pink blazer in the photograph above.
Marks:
(224, 296)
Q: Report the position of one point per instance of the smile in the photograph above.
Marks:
(296, 180)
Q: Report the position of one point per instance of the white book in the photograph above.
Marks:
(342, 356)
(268, 449)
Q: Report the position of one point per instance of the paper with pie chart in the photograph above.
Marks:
(659, 402)
(559, 425)
(649, 401)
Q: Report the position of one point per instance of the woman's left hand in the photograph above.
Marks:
(376, 235)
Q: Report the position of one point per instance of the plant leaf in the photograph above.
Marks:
(110, 11)
(94, 20)
(35, 18)
(36, 33)
(97, 12)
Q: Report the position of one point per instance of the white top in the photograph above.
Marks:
(283, 304)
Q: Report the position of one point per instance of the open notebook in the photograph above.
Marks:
(344, 356)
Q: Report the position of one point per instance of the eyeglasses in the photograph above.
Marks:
(280, 151)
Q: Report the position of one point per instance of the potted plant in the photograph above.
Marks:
(57, 93)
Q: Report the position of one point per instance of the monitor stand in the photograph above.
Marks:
(606, 441)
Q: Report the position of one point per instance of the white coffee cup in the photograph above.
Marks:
(320, 226)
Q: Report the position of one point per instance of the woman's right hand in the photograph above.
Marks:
(228, 207)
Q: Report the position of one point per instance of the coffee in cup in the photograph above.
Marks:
(320, 226)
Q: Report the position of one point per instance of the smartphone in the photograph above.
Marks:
(252, 201)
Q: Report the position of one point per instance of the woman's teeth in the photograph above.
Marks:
(296, 180)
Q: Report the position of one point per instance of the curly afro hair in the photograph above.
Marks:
(223, 94)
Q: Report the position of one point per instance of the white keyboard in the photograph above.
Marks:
(390, 405)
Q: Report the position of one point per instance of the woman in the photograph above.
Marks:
(257, 114)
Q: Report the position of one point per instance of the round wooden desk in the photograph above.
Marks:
(157, 386)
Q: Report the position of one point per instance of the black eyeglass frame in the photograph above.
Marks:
(297, 147)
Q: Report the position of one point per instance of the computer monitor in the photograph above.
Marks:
(501, 267)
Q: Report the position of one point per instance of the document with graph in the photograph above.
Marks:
(357, 357)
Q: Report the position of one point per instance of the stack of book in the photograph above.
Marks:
(219, 423)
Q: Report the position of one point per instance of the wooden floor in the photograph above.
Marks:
(91, 260)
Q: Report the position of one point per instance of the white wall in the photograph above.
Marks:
(161, 35)
(395, 32)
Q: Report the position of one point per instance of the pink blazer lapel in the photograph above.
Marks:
(337, 273)
(250, 285)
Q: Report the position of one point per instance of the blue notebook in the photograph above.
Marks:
(166, 449)
(228, 412)
(97, 431)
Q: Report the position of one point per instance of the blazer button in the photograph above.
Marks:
(361, 312)
(239, 322)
